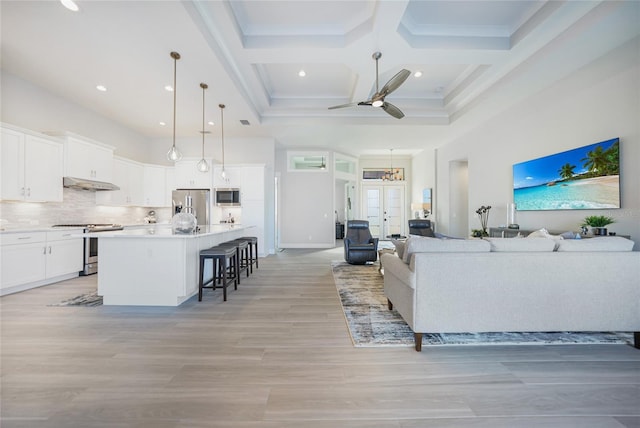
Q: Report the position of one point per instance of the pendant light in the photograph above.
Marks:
(390, 176)
(203, 166)
(174, 154)
(223, 174)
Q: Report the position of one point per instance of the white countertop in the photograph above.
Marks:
(41, 229)
(164, 231)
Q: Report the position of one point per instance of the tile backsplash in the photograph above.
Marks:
(78, 207)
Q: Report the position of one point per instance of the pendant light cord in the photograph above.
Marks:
(174, 154)
(204, 87)
(175, 56)
(222, 131)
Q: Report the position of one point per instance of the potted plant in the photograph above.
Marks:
(598, 224)
(483, 215)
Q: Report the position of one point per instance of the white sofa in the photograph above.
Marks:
(515, 284)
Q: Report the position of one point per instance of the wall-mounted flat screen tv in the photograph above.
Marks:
(585, 178)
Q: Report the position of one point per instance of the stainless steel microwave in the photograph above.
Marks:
(227, 197)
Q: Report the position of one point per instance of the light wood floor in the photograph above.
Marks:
(278, 354)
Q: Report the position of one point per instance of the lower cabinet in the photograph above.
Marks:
(32, 259)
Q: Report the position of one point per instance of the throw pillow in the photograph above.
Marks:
(544, 233)
(400, 245)
(604, 243)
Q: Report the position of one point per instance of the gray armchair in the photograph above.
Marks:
(359, 246)
(420, 227)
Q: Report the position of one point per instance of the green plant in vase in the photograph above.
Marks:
(483, 215)
(598, 223)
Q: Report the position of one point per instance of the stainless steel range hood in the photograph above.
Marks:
(81, 183)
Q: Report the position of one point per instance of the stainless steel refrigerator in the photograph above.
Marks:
(198, 199)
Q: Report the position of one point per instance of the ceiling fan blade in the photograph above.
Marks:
(392, 110)
(395, 82)
(365, 103)
(343, 106)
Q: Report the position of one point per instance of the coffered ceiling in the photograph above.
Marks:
(472, 55)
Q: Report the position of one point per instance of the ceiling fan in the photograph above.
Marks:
(321, 166)
(377, 100)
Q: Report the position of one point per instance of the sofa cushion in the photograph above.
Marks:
(604, 243)
(422, 244)
(521, 245)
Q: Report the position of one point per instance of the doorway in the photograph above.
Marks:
(384, 207)
(459, 198)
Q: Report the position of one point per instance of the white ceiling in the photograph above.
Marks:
(250, 53)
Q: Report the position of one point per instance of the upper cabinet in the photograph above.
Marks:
(187, 175)
(129, 176)
(157, 188)
(31, 167)
(233, 176)
(253, 183)
(248, 178)
(87, 159)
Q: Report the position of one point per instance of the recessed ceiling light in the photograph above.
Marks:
(70, 4)
(211, 123)
(302, 73)
(163, 123)
(169, 88)
(417, 73)
(101, 88)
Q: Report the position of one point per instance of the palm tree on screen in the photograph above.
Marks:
(596, 160)
(566, 171)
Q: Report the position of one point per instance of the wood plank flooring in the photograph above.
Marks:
(278, 354)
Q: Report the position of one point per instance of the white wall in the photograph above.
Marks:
(32, 107)
(599, 102)
(306, 206)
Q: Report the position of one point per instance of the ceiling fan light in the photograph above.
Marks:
(70, 4)
(377, 103)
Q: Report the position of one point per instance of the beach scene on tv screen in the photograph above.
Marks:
(584, 178)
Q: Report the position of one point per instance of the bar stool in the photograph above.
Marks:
(224, 262)
(241, 248)
(243, 253)
(253, 251)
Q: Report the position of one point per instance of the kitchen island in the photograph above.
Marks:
(152, 266)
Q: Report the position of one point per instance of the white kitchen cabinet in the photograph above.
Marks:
(252, 186)
(233, 177)
(187, 175)
(87, 159)
(156, 189)
(32, 259)
(64, 253)
(31, 167)
(170, 178)
(129, 176)
(135, 184)
(23, 259)
(253, 214)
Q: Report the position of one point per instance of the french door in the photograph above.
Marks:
(383, 206)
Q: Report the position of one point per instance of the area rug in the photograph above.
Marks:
(88, 299)
(371, 323)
